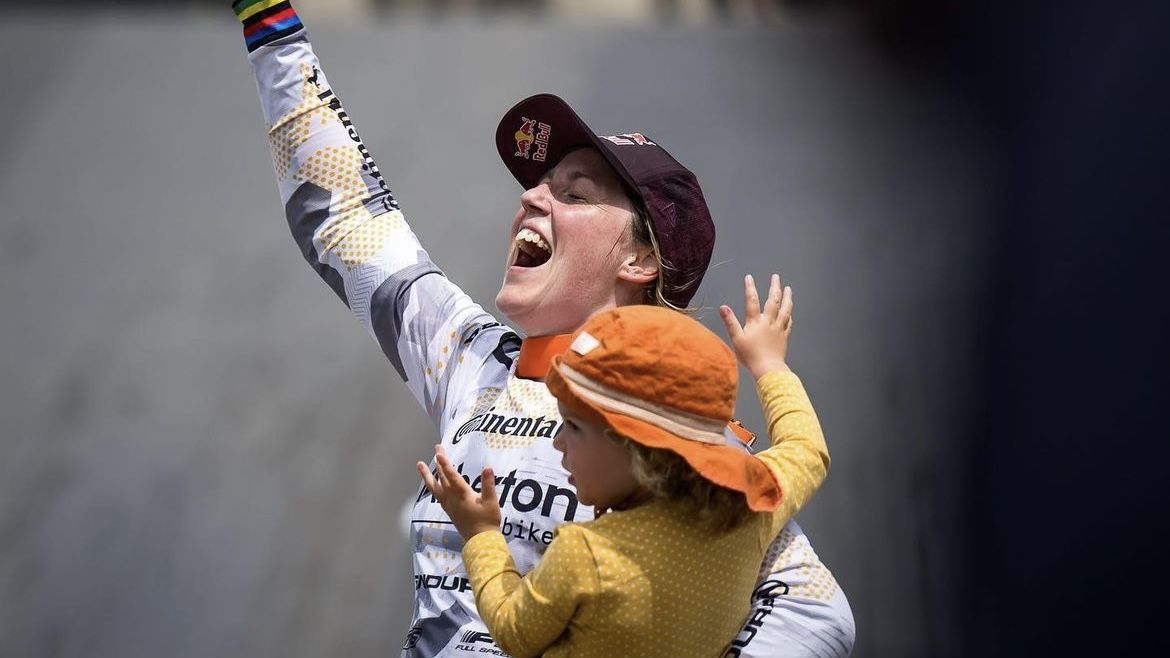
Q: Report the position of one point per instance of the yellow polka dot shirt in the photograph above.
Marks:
(649, 581)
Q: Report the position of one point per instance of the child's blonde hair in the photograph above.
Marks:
(667, 476)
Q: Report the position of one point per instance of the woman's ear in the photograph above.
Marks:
(639, 268)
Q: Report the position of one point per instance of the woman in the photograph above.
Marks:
(603, 222)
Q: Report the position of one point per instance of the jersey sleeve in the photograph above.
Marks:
(527, 614)
(798, 609)
(347, 223)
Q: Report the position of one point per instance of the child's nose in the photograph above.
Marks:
(558, 442)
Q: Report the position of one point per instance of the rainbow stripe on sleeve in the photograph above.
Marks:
(266, 21)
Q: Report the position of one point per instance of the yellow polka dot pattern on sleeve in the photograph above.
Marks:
(296, 126)
(352, 234)
(810, 579)
(649, 582)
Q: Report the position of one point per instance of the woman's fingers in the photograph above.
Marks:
(751, 299)
(731, 323)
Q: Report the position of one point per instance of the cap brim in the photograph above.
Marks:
(567, 132)
(724, 465)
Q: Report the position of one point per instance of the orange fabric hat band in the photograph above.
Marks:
(684, 425)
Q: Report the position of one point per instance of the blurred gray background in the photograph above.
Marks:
(202, 454)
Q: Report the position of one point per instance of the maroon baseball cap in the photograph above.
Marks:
(538, 131)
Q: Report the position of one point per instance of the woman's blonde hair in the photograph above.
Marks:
(662, 473)
(666, 476)
(656, 292)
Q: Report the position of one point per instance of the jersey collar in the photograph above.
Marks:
(536, 354)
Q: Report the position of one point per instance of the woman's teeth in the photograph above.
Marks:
(531, 249)
(528, 237)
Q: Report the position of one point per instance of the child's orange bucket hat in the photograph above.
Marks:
(661, 379)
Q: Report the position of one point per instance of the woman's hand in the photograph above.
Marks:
(471, 512)
(761, 344)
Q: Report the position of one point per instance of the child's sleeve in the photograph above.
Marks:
(526, 615)
(798, 457)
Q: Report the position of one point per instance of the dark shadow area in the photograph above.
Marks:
(1066, 451)
(1069, 457)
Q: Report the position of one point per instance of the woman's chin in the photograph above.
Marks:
(515, 308)
(529, 310)
(526, 312)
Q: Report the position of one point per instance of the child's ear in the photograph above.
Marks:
(640, 268)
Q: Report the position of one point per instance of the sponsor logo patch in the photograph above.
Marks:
(525, 136)
(500, 425)
(523, 495)
(475, 641)
(449, 582)
(629, 139)
(532, 134)
(764, 598)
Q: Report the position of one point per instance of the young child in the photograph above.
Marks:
(645, 394)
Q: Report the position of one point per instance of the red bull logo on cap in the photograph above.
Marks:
(524, 137)
(532, 132)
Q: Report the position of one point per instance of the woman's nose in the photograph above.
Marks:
(536, 200)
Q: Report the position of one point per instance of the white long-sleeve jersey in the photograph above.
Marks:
(458, 362)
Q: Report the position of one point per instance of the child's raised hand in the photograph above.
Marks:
(471, 512)
(761, 344)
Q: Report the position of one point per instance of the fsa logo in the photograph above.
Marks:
(473, 641)
(471, 637)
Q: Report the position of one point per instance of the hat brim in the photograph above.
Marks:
(571, 133)
(727, 466)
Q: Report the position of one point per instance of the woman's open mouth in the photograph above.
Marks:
(531, 249)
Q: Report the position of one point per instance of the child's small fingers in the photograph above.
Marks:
(751, 299)
(786, 302)
(447, 473)
(787, 312)
(730, 322)
(772, 305)
(487, 490)
(427, 478)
